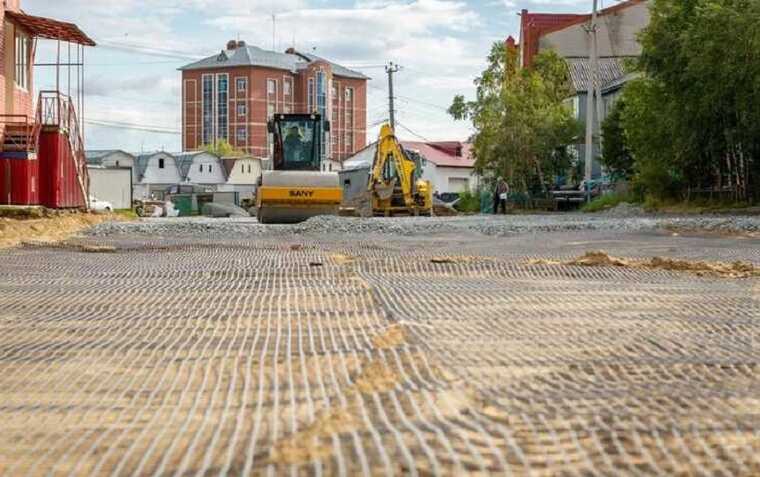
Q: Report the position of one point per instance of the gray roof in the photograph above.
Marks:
(142, 160)
(185, 160)
(611, 70)
(95, 157)
(337, 69)
(254, 56)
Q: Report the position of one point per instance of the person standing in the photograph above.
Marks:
(500, 196)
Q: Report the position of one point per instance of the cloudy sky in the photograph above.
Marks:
(132, 77)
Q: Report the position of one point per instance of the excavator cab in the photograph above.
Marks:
(296, 188)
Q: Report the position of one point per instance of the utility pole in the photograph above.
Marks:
(391, 69)
(592, 89)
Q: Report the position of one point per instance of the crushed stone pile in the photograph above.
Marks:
(423, 226)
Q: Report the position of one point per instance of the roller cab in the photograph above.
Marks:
(296, 189)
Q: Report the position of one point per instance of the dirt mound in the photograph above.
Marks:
(47, 230)
(715, 269)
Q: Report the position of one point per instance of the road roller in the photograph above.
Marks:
(296, 188)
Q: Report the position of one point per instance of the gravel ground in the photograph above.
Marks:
(352, 354)
(422, 226)
(410, 346)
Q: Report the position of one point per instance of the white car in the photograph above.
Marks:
(97, 205)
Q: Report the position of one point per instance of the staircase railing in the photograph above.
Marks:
(55, 109)
(19, 133)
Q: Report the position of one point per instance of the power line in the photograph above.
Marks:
(133, 127)
(412, 132)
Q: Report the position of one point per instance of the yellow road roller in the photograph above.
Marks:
(296, 188)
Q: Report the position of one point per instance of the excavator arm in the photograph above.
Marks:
(392, 183)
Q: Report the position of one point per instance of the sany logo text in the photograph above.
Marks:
(301, 193)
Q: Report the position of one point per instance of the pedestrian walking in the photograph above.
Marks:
(500, 196)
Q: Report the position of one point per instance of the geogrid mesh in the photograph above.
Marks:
(361, 356)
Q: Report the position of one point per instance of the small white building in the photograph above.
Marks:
(243, 175)
(448, 165)
(155, 172)
(112, 184)
(200, 168)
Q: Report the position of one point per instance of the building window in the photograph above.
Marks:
(241, 85)
(161, 163)
(271, 86)
(222, 90)
(210, 169)
(200, 168)
(22, 61)
(117, 163)
(349, 95)
(322, 108)
(242, 168)
(310, 96)
(242, 134)
(208, 109)
(242, 109)
(249, 168)
(286, 87)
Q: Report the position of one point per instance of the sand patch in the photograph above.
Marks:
(393, 337)
(49, 230)
(341, 259)
(376, 376)
(736, 269)
(311, 443)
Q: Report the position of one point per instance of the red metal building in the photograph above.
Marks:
(41, 145)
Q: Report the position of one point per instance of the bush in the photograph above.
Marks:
(468, 203)
(608, 201)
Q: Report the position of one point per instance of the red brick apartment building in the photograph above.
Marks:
(232, 94)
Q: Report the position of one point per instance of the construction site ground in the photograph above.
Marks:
(370, 353)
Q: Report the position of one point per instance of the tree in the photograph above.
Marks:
(222, 148)
(520, 117)
(616, 157)
(693, 121)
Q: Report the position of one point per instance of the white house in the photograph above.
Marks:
(155, 172)
(110, 158)
(448, 165)
(201, 168)
(242, 175)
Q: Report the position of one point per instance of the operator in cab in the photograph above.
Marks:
(294, 145)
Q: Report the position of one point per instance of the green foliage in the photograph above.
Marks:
(468, 202)
(616, 156)
(608, 201)
(693, 121)
(522, 123)
(222, 148)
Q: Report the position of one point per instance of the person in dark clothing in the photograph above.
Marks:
(500, 196)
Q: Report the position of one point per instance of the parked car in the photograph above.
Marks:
(97, 205)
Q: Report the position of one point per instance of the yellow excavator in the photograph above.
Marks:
(296, 188)
(395, 184)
